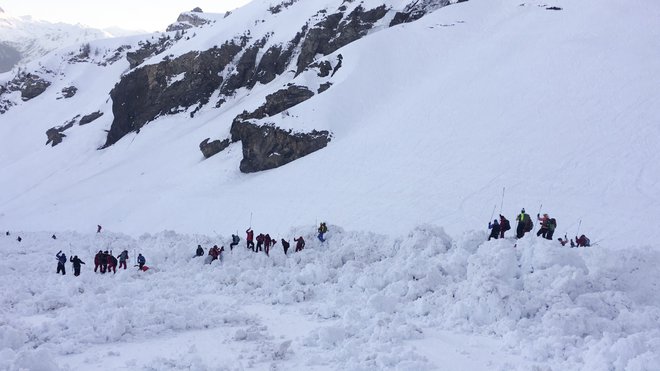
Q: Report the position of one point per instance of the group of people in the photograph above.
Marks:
(264, 244)
(104, 262)
(525, 225)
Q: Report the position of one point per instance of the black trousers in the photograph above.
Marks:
(520, 231)
(60, 268)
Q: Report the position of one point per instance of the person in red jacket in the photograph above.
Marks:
(504, 225)
(582, 241)
(300, 243)
(97, 261)
(544, 225)
(260, 242)
(267, 242)
(250, 239)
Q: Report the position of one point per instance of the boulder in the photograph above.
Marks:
(212, 148)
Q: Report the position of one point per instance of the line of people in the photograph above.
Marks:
(104, 262)
(525, 225)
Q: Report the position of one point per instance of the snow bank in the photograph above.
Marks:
(368, 296)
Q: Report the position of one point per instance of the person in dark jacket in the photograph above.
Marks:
(300, 243)
(285, 245)
(200, 251)
(112, 263)
(234, 241)
(61, 260)
(53, 237)
(552, 225)
(141, 261)
(76, 265)
(98, 228)
(504, 225)
(97, 261)
(495, 229)
(104, 261)
(260, 242)
(582, 241)
(19, 239)
(267, 242)
(524, 224)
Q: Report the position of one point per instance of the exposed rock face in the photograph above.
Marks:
(147, 93)
(335, 31)
(416, 10)
(268, 147)
(212, 148)
(56, 134)
(188, 20)
(69, 91)
(89, 118)
(279, 101)
(33, 86)
(148, 49)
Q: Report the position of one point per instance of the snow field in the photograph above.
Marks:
(360, 302)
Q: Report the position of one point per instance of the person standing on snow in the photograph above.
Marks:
(495, 229)
(98, 228)
(524, 224)
(76, 265)
(112, 262)
(544, 225)
(141, 261)
(200, 251)
(300, 243)
(104, 261)
(250, 239)
(285, 245)
(123, 258)
(267, 243)
(504, 225)
(260, 242)
(97, 261)
(322, 230)
(234, 241)
(61, 260)
(552, 225)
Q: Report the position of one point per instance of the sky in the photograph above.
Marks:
(126, 14)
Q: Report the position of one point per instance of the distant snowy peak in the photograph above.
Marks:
(24, 39)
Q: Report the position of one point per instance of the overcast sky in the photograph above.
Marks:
(148, 15)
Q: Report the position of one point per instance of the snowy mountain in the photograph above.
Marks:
(406, 125)
(24, 39)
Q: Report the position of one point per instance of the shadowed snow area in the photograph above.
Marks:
(360, 301)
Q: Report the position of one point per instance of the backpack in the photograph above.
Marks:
(527, 221)
(235, 238)
(505, 225)
(552, 224)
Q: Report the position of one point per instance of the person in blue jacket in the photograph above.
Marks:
(141, 261)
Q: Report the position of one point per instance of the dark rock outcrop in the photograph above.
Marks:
(268, 147)
(69, 91)
(212, 148)
(89, 118)
(33, 86)
(188, 20)
(279, 101)
(148, 49)
(335, 31)
(56, 134)
(147, 93)
(416, 10)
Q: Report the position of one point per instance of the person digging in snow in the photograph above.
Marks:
(61, 260)
(123, 258)
(76, 265)
(495, 229)
(504, 225)
(300, 243)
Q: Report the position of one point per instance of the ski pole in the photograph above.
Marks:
(502, 203)
(540, 207)
(578, 230)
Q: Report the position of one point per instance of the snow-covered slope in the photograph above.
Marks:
(430, 120)
(33, 38)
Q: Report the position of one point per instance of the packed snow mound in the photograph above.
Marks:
(370, 296)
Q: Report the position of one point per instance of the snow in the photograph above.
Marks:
(431, 120)
(357, 301)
